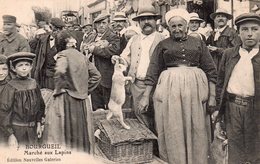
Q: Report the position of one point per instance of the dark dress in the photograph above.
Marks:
(3, 131)
(24, 104)
(74, 78)
(181, 71)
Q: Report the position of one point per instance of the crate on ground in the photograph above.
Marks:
(126, 146)
(100, 115)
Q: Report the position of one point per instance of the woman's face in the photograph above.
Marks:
(3, 71)
(23, 68)
(71, 43)
(177, 27)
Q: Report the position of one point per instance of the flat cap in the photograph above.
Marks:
(21, 56)
(247, 17)
(119, 16)
(57, 22)
(9, 19)
(3, 59)
(101, 17)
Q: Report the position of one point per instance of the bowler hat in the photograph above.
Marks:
(57, 22)
(221, 11)
(145, 11)
(21, 56)
(195, 16)
(101, 17)
(9, 19)
(3, 59)
(247, 17)
(119, 16)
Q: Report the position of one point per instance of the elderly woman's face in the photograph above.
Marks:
(177, 27)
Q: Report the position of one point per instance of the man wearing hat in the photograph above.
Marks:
(43, 68)
(223, 36)
(238, 92)
(194, 25)
(87, 28)
(137, 56)
(103, 45)
(11, 41)
(120, 28)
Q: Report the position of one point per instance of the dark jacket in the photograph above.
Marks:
(13, 43)
(102, 57)
(44, 62)
(227, 39)
(75, 74)
(230, 59)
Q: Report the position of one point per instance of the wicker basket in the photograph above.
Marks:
(126, 146)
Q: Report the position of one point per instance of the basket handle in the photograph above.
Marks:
(137, 143)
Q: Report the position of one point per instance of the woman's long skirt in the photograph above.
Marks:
(69, 123)
(180, 115)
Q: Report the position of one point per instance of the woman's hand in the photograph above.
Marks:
(143, 104)
(39, 130)
(12, 141)
(214, 116)
(212, 102)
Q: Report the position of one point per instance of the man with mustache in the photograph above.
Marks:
(223, 36)
(11, 41)
(238, 92)
(120, 27)
(102, 45)
(137, 56)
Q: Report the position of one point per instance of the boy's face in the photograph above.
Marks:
(249, 33)
(3, 71)
(23, 68)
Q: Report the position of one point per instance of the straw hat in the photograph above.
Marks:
(195, 16)
(119, 16)
(145, 11)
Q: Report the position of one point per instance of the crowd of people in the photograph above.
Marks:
(185, 78)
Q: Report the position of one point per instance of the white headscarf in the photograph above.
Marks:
(177, 12)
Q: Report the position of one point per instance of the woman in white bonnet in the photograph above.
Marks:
(185, 75)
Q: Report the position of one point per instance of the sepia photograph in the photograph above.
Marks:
(129, 81)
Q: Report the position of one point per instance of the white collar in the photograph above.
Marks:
(252, 53)
(143, 36)
(221, 29)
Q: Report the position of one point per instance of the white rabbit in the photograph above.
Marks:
(117, 97)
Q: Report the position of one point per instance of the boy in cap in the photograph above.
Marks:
(238, 92)
(11, 41)
(23, 102)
